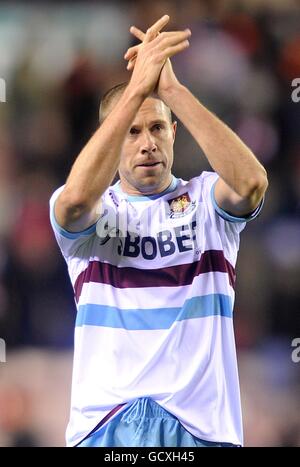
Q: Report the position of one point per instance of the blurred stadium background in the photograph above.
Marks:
(57, 59)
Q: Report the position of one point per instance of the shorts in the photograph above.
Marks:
(145, 424)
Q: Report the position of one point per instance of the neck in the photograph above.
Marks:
(145, 190)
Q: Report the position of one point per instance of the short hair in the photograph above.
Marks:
(113, 95)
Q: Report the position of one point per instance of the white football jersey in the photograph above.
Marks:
(154, 286)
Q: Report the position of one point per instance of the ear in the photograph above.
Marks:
(174, 128)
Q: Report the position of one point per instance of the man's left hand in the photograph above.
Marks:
(167, 80)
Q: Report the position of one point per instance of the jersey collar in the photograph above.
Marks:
(134, 198)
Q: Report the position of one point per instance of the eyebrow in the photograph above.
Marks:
(158, 120)
(153, 122)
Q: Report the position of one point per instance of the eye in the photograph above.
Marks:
(134, 131)
(157, 127)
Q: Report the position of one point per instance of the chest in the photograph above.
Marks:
(164, 232)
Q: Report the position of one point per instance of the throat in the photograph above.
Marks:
(147, 188)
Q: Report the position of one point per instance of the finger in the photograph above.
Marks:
(131, 64)
(175, 49)
(137, 33)
(168, 43)
(131, 52)
(167, 37)
(172, 38)
(155, 28)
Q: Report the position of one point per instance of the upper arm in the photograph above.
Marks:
(74, 217)
(231, 202)
(69, 241)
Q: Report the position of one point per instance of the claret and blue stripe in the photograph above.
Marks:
(154, 318)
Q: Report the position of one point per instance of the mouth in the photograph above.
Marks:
(149, 165)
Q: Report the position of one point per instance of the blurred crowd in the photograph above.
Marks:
(57, 60)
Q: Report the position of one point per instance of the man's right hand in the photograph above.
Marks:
(152, 54)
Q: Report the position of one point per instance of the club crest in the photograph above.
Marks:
(181, 206)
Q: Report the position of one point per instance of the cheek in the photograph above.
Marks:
(128, 151)
(123, 168)
(168, 149)
(122, 160)
(125, 161)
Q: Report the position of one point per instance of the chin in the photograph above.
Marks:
(148, 184)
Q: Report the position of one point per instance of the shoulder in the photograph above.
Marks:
(201, 185)
(205, 178)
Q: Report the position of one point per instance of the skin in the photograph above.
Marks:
(149, 140)
(242, 179)
(77, 207)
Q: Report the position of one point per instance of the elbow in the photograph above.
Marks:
(255, 187)
(261, 183)
(70, 207)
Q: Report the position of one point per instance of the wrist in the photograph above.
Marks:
(137, 89)
(172, 93)
(134, 94)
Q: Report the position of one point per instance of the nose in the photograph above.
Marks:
(148, 145)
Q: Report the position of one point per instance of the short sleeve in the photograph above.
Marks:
(221, 226)
(69, 242)
(229, 217)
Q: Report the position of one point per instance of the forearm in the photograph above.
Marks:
(226, 153)
(96, 165)
(77, 207)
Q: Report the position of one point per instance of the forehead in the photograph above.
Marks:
(150, 110)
